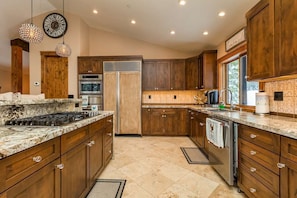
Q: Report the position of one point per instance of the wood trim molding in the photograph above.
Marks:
(233, 54)
(19, 42)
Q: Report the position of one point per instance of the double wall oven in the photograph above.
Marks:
(90, 88)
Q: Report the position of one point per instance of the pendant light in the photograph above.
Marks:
(30, 32)
(62, 49)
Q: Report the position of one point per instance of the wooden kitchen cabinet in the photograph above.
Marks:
(19, 166)
(89, 65)
(156, 75)
(201, 71)
(258, 156)
(260, 41)
(288, 167)
(108, 140)
(42, 183)
(177, 74)
(271, 44)
(164, 121)
(198, 130)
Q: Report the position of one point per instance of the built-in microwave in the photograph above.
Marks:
(90, 84)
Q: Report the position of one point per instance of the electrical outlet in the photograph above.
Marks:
(149, 97)
(278, 96)
(174, 97)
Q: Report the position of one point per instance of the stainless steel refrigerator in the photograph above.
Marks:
(122, 94)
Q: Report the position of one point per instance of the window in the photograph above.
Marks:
(243, 92)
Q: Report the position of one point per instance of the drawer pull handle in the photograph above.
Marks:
(149, 110)
(252, 190)
(109, 134)
(253, 136)
(252, 169)
(90, 144)
(280, 165)
(37, 159)
(192, 118)
(163, 116)
(253, 152)
(60, 166)
(109, 120)
(109, 151)
(201, 124)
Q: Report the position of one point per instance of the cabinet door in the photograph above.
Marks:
(157, 126)
(260, 41)
(43, 183)
(208, 70)
(146, 121)
(89, 65)
(288, 181)
(287, 28)
(75, 172)
(201, 130)
(170, 119)
(182, 121)
(177, 75)
(163, 75)
(96, 155)
(192, 73)
(149, 75)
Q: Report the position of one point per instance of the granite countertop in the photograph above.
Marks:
(37, 101)
(14, 139)
(276, 124)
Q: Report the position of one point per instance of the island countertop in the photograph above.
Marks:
(14, 139)
(276, 124)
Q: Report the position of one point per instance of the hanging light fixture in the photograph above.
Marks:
(62, 49)
(30, 32)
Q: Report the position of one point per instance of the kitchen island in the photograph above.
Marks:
(56, 161)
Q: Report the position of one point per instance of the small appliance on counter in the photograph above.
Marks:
(212, 97)
(262, 103)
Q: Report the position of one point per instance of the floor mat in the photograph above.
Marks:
(194, 155)
(107, 188)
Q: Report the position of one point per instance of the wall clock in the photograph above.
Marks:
(55, 25)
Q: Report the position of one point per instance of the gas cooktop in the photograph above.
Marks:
(55, 119)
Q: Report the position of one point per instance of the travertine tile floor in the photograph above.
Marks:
(156, 167)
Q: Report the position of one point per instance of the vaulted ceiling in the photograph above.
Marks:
(155, 19)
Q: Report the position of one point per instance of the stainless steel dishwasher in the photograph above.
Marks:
(224, 159)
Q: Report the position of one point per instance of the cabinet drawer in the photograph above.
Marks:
(96, 127)
(289, 148)
(267, 140)
(74, 138)
(108, 135)
(252, 187)
(15, 168)
(266, 177)
(260, 155)
(108, 121)
(108, 152)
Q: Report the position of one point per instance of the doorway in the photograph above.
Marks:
(54, 75)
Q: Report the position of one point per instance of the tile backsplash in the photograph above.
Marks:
(172, 97)
(289, 89)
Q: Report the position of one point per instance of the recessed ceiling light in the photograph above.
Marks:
(205, 33)
(172, 32)
(95, 11)
(133, 21)
(221, 14)
(182, 2)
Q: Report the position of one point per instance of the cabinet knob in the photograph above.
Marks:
(149, 110)
(109, 151)
(253, 190)
(201, 124)
(109, 134)
(37, 159)
(90, 71)
(252, 169)
(60, 166)
(253, 136)
(280, 165)
(196, 87)
(246, 77)
(192, 118)
(163, 116)
(253, 152)
(110, 120)
(202, 86)
(90, 144)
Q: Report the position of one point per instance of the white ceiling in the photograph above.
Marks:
(154, 20)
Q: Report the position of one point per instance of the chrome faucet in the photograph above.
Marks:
(231, 102)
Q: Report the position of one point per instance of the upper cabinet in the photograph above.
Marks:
(271, 39)
(164, 74)
(260, 41)
(89, 65)
(201, 71)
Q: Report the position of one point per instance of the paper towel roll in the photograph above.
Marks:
(262, 103)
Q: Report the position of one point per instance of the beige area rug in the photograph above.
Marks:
(107, 188)
(194, 155)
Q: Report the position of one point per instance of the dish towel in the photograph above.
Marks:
(215, 132)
